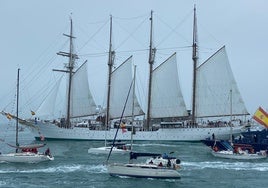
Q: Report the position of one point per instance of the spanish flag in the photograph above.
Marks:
(33, 113)
(261, 117)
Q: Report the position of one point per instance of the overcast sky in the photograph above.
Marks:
(31, 35)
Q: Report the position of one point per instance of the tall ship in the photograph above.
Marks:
(215, 94)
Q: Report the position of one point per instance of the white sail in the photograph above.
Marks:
(46, 109)
(82, 103)
(166, 98)
(121, 80)
(217, 88)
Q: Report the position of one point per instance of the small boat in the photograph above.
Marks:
(258, 139)
(25, 153)
(255, 138)
(224, 149)
(229, 154)
(157, 166)
(119, 147)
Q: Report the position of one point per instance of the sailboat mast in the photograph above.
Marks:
(151, 62)
(195, 58)
(110, 65)
(133, 107)
(17, 119)
(231, 116)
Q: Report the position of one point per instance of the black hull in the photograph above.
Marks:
(256, 139)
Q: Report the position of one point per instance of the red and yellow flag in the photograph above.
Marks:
(9, 116)
(261, 117)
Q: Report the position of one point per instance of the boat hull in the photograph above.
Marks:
(142, 171)
(24, 158)
(53, 132)
(106, 150)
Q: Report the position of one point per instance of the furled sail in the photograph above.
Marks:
(167, 99)
(121, 79)
(217, 93)
(82, 102)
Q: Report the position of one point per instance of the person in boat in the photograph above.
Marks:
(169, 163)
(255, 138)
(151, 162)
(239, 150)
(213, 136)
(160, 164)
(47, 152)
(164, 156)
(33, 150)
(235, 150)
(24, 150)
(215, 148)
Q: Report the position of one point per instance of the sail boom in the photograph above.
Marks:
(224, 115)
(127, 116)
(86, 115)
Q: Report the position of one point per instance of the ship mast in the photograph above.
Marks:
(151, 62)
(110, 65)
(17, 119)
(195, 58)
(69, 70)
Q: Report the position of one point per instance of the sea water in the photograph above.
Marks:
(74, 167)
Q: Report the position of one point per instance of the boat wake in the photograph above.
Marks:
(152, 179)
(93, 169)
(238, 166)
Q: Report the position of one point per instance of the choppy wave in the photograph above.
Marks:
(2, 183)
(239, 166)
(94, 169)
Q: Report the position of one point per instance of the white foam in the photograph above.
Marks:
(62, 169)
(243, 166)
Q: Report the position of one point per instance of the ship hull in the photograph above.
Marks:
(53, 132)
